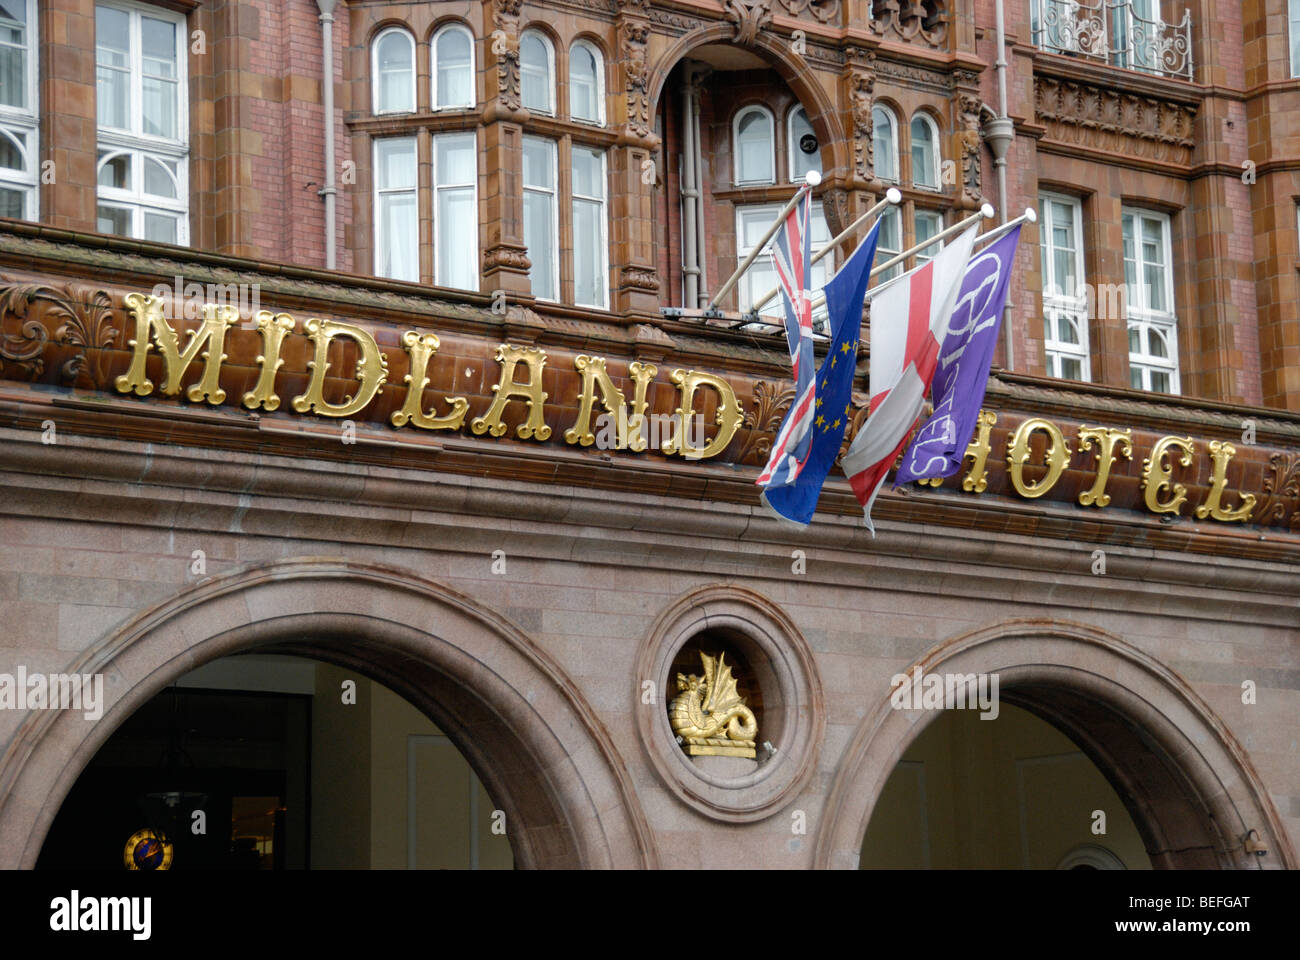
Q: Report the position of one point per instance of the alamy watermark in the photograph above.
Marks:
(653, 431)
(53, 691)
(185, 301)
(945, 691)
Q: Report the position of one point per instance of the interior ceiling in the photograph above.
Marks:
(723, 56)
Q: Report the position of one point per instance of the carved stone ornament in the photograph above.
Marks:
(634, 37)
(641, 278)
(709, 714)
(862, 84)
(823, 11)
(749, 16)
(971, 189)
(84, 322)
(506, 255)
(1106, 119)
(911, 20)
(505, 47)
(1280, 504)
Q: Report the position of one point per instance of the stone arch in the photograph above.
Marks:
(1185, 780)
(800, 77)
(521, 723)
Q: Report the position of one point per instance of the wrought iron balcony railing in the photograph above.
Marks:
(1123, 33)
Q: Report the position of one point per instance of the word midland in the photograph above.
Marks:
(152, 330)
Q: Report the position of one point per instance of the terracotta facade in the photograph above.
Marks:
(374, 549)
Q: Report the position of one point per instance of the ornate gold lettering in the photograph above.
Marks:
(371, 370)
(149, 320)
(977, 479)
(1058, 455)
(1106, 440)
(1222, 454)
(421, 347)
(611, 397)
(273, 329)
(728, 418)
(1156, 474)
(535, 426)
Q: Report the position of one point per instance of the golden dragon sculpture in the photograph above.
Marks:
(709, 714)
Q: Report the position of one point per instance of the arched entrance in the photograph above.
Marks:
(1183, 778)
(525, 730)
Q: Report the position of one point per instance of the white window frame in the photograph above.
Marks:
(1143, 318)
(24, 121)
(549, 81)
(891, 214)
(599, 60)
(936, 159)
(375, 86)
(136, 142)
(603, 245)
(1056, 299)
(893, 139)
(792, 146)
(380, 234)
(438, 189)
(766, 213)
(1293, 35)
(735, 144)
(433, 68)
(553, 192)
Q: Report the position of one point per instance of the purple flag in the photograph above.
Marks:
(938, 447)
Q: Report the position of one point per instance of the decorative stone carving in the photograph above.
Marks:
(1111, 120)
(84, 322)
(912, 75)
(505, 15)
(764, 419)
(911, 19)
(634, 36)
(862, 83)
(1281, 504)
(641, 278)
(823, 11)
(969, 138)
(835, 207)
(507, 255)
(749, 16)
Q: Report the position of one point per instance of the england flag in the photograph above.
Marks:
(909, 319)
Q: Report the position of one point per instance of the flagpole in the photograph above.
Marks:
(892, 196)
(811, 180)
(1029, 216)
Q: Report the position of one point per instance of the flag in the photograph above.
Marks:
(792, 258)
(909, 319)
(845, 293)
(939, 446)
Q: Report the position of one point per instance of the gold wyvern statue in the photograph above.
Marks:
(710, 715)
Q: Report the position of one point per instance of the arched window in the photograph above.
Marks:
(453, 68)
(925, 152)
(392, 71)
(753, 139)
(884, 140)
(586, 84)
(537, 72)
(804, 150)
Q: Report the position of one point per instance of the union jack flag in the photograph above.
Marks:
(792, 258)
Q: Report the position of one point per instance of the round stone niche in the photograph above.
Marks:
(748, 638)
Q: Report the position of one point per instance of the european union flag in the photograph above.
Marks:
(845, 294)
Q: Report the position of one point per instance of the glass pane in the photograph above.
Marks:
(803, 146)
(1065, 273)
(1067, 331)
(158, 38)
(116, 172)
(13, 14)
(588, 173)
(754, 148)
(395, 163)
(923, 172)
(1160, 381)
(760, 278)
(158, 179)
(582, 84)
(13, 59)
(535, 73)
(589, 280)
(11, 156)
(539, 163)
(398, 246)
(1135, 377)
(456, 160)
(112, 96)
(1156, 344)
(396, 69)
(454, 75)
(160, 227)
(13, 203)
(457, 243)
(1154, 277)
(883, 144)
(927, 225)
(1134, 340)
(539, 235)
(1071, 368)
(114, 220)
(160, 108)
(112, 37)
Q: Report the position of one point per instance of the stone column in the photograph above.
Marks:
(68, 125)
